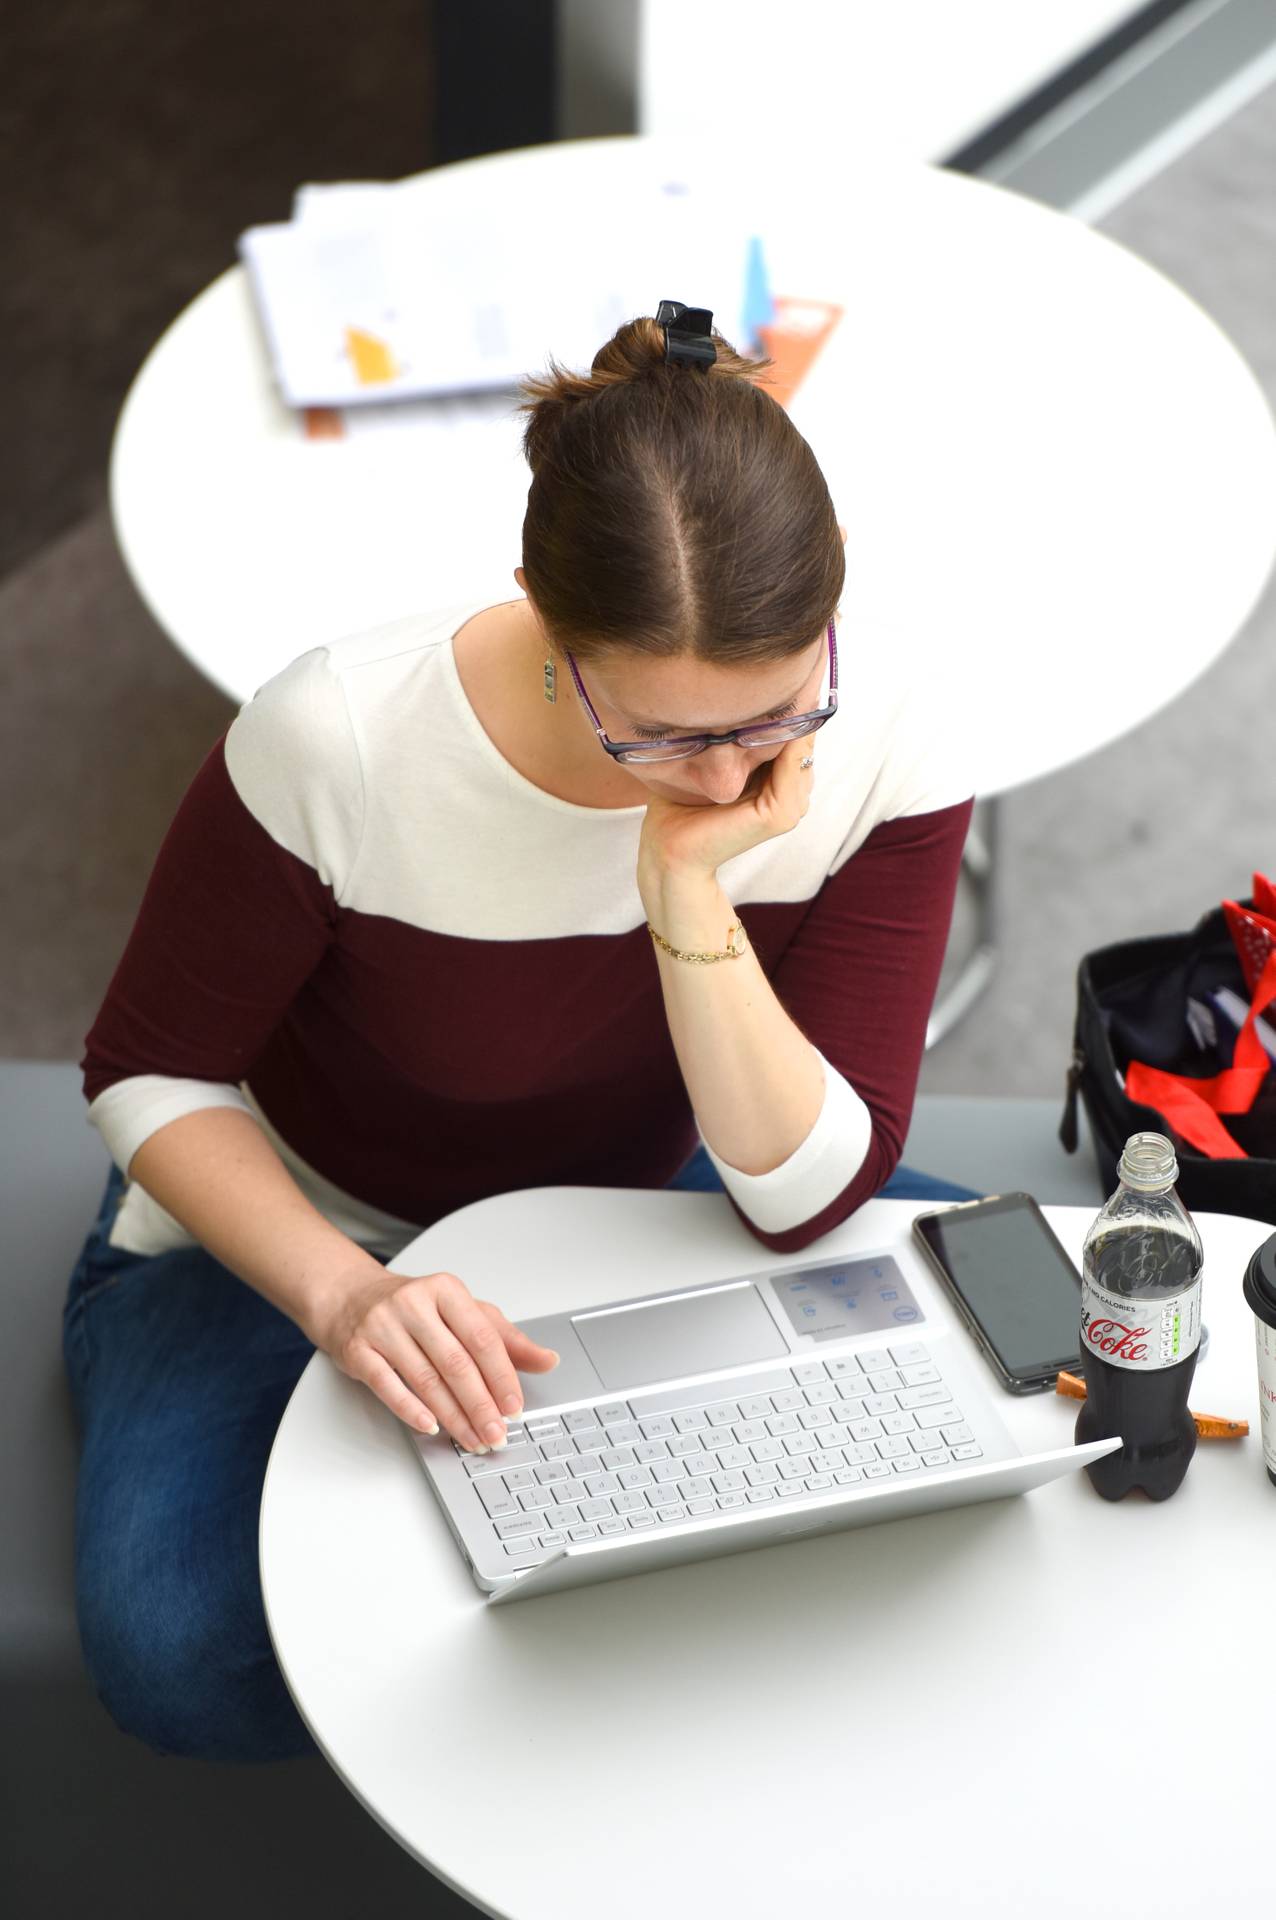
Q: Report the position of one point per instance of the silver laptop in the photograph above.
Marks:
(726, 1416)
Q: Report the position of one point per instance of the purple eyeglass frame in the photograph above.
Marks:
(712, 739)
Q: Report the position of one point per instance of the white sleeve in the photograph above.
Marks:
(131, 1110)
(816, 1172)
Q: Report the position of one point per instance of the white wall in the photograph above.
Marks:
(911, 78)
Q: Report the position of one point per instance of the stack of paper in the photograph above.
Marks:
(378, 291)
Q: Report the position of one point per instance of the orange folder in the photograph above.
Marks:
(794, 338)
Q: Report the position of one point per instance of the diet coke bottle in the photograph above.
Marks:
(1141, 1326)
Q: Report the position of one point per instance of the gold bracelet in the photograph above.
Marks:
(736, 938)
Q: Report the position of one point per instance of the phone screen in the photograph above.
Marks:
(1016, 1280)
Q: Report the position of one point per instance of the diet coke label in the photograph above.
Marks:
(1140, 1333)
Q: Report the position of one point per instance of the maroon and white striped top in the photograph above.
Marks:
(431, 981)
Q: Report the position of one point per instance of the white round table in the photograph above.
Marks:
(1047, 1703)
(1053, 465)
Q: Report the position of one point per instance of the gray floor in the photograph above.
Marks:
(103, 724)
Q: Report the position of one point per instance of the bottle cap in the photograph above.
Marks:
(1259, 1284)
(1148, 1163)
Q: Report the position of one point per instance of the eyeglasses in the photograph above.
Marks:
(681, 746)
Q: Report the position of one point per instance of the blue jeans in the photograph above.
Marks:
(179, 1375)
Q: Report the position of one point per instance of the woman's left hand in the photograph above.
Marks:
(696, 840)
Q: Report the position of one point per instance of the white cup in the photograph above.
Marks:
(1259, 1287)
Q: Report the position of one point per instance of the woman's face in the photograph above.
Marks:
(636, 697)
(683, 695)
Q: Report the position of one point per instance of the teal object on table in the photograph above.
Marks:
(759, 307)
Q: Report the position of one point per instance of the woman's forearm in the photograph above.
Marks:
(217, 1174)
(756, 1085)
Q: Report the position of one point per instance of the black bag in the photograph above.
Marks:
(1132, 1005)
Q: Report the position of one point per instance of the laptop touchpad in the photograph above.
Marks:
(663, 1338)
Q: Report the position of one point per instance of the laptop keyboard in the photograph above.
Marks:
(687, 1453)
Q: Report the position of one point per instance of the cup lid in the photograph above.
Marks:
(1259, 1285)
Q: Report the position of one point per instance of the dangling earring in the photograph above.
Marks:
(550, 676)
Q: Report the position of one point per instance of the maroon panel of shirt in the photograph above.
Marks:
(420, 1071)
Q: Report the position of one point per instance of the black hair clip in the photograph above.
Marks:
(687, 339)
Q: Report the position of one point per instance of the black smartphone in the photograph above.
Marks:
(1013, 1284)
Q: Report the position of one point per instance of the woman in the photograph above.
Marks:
(425, 930)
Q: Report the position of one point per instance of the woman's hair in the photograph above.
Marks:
(674, 509)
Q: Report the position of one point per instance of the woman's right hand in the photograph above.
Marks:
(433, 1353)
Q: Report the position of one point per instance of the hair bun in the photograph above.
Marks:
(637, 350)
